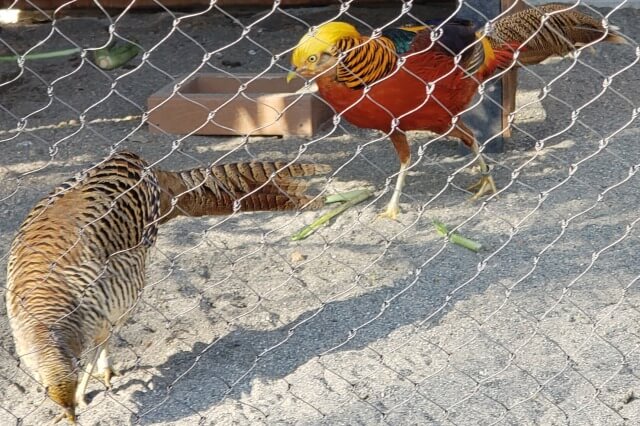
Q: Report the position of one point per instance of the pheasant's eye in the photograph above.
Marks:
(312, 58)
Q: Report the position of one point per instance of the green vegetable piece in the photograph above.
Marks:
(115, 55)
(456, 238)
(350, 199)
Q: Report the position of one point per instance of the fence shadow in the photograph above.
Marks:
(208, 368)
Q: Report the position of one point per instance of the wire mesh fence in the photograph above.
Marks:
(369, 320)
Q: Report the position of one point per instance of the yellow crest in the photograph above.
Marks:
(321, 41)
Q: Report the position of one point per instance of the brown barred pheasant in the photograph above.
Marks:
(77, 264)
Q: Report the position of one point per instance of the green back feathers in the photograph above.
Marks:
(456, 35)
(402, 38)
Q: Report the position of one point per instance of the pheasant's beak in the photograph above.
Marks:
(292, 74)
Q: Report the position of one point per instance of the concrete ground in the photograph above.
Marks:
(383, 322)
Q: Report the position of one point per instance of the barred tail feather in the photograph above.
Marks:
(258, 186)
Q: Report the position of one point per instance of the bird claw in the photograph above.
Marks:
(58, 418)
(109, 373)
(484, 186)
(81, 402)
(392, 211)
(106, 375)
(64, 415)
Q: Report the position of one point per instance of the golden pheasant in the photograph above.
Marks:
(401, 80)
(77, 264)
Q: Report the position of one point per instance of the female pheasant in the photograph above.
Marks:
(401, 80)
(77, 264)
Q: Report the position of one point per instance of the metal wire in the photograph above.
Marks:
(367, 321)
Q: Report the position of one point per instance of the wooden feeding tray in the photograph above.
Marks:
(268, 106)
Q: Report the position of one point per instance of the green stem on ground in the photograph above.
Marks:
(456, 238)
(350, 199)
(43, 55)
(344, 196)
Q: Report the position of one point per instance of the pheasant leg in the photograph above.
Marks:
(86, 375)
(105, 368)
(393, 208)
(486, 184)
(401, 146)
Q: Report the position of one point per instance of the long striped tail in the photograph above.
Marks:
(257, 186)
